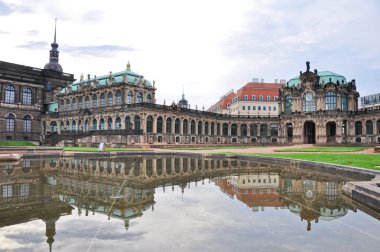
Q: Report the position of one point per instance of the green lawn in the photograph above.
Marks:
(324, 149)
(369, 161)
(95, 149)
(16, 143)
(214, 147)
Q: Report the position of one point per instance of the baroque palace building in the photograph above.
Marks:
(48, 106)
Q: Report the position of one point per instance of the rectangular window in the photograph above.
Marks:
(259, 108)
(268, 98)
(254, 108)
(269, 108)
(243, 107)
(249, 107)
(274, 108)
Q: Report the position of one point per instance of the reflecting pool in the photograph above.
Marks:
(179, 203)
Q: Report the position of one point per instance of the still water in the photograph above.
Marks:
(178, 203)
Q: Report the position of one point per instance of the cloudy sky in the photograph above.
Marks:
(204, 47)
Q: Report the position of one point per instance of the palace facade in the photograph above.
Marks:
(119, 109)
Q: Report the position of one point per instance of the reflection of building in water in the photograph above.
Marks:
(315, 200)
(254, 189)
(25, 196)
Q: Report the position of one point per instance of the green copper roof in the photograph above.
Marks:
(324, 78)
(53, 107)
(118, 78)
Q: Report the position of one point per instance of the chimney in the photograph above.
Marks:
(255, 80)
(282, 81)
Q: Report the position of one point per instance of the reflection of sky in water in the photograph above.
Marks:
(201, 219)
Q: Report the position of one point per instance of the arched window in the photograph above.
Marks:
(86, 125)
(27, 123)
(185, 127)
(344, 102)
(110, 99)
(68, 107)
(62, 126)
(101, 124)
(10, 94)
(243, 129)
(212, 128)
(159, 124)
(378, 126)
(225, 129)
(80, 125)
(234, 129)
(74, 125)
(137, 123)
(53, 126)
(118, 123)
(192, 127)
(149, 124)
(27, 96)
(94, 124)
(139, 97)
(176, 126)
(74, 104)
(149, 98)
(102, 100)
(169, 125)
(119, 97)
(218, 129)
(274, 130)
(261, 98)
(330, 100)
(94, 101)
(80, 103)
(253, 129)
(200, 128)
(62, 106)
(206, 128)
(369, 127)
(130, 98)
(308, 102)
(109, 123)
(263, 130)
(128, 123)
(87, 102)
(288, 104)
(67, 125)
(358, 128)
(10, 123)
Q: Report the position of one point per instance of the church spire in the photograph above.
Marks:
(54, 54)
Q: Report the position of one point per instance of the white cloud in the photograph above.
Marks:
(207, 47)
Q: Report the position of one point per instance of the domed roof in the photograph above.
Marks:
(324, 78)
(183, 102)
(55, 66)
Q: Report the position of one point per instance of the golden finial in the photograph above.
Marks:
(128, 66)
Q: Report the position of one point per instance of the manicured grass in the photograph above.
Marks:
(16, 143)
(323, 149)
(214, 147)
(95, 149)
(369, 161)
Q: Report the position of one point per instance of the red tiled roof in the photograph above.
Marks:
(250, 89)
